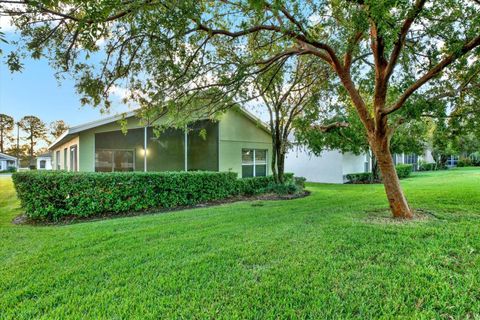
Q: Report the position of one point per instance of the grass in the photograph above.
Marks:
(318, 257)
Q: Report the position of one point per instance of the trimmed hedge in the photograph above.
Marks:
(361, 177)
(257, 185)
(52, 195)
(431, 166)
(403, 171)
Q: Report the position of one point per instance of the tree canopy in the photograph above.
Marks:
(382, 52)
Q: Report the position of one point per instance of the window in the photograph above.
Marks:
(65, 153)
(366, 166)
(57, 159)
(452, 161)
(43, 164)
(411, 159)
(254, 163)
(73, 158)
(114, 160)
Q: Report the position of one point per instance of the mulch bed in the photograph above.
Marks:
(24, 220)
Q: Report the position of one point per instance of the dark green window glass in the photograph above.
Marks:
(203, 146)
(254, 163)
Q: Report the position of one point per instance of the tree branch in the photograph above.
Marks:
(468, 46)
(402, 36)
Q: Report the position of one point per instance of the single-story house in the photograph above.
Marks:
(7, 162)
(414, 159)
(44, 161)
(331, 166)
(237, 142)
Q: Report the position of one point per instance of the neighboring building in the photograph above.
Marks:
(7, 162)
(330, 167)
(44, 161)
(238, 142)
(414, 159)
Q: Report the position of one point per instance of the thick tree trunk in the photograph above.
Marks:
(398, 202)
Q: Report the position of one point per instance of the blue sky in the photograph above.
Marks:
(35, 91)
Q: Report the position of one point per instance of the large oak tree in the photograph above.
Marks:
(382, 52)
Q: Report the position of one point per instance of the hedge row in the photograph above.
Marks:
(468, 162)
(56, 194)
(403, 171)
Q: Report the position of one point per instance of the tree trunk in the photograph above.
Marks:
(375, 170)
(281, 165)
(398, 202)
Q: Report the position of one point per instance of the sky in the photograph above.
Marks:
(36, 91)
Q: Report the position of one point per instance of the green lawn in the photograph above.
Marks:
(324, 256)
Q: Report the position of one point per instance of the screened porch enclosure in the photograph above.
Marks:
(172, 150)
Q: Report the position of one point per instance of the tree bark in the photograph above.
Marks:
(397, 201)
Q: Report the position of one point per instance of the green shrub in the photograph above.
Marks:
(282, 188)
(52, 195)
(428, 166)
(300, 182)
(258, 185)
(465, 162)
(9, 170)
(360, 177)
(404, 170)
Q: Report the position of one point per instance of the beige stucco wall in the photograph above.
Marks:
(238, 132)
(61, 148)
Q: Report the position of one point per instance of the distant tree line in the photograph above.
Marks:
(22, 138)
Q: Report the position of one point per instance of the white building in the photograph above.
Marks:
(7, 162)
(330, 167)
(44, 161)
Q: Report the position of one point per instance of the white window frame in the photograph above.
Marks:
(255, 161)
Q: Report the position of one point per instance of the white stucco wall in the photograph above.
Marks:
(353, 164)
(329, 167)
(325, 168)
(427, 156)
(48, 163)
(5, 164)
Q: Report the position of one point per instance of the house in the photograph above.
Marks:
(330, 166)
(414, 159)
(44, 161)
(7, 162)
(237, 142)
